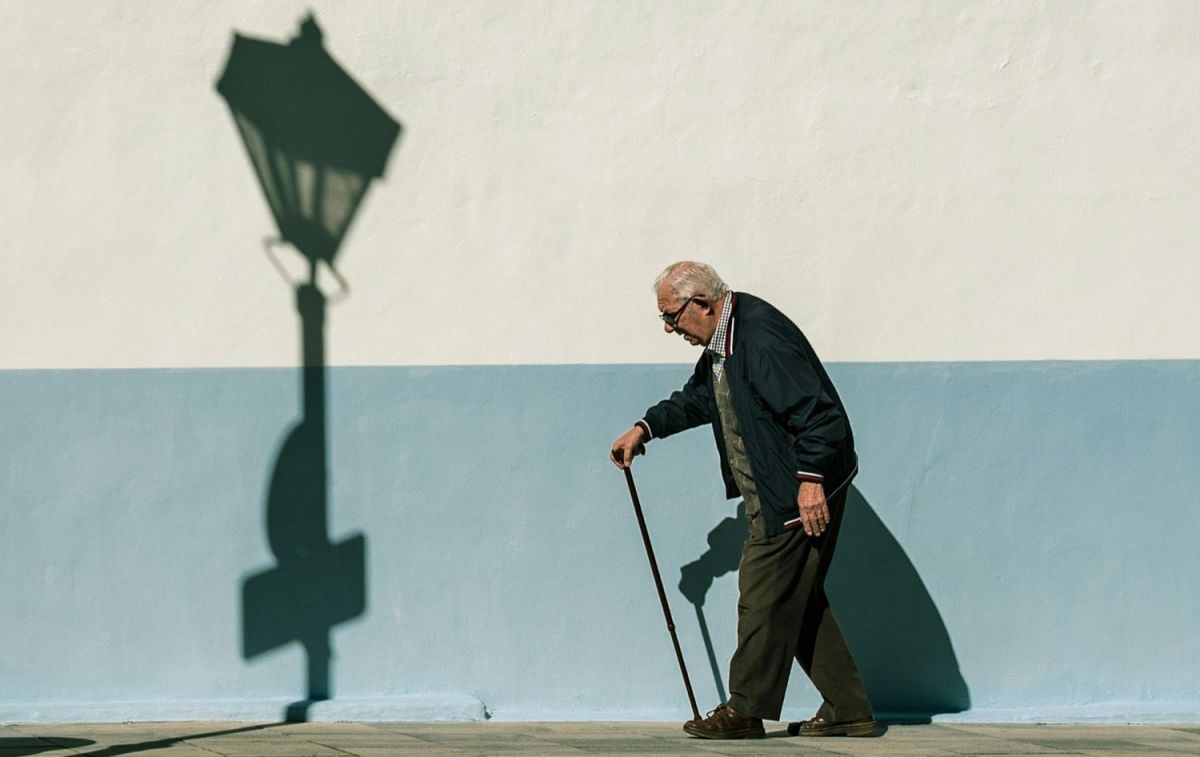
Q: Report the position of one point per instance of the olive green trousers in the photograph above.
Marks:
(783, 614)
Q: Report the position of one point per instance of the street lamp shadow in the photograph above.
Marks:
(316, 140)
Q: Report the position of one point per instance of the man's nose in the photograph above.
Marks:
(668, 328)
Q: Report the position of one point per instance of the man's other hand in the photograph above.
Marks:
(628, 444)
(814, 511)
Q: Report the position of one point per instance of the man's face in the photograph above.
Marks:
(696, 319)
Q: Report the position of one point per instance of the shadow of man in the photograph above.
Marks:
(886, 614)
(891, 623)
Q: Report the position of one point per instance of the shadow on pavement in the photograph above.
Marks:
(23, 745)
(54, 742)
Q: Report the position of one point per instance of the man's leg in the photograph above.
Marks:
(821, 649)
(824, 656)
(775, 582)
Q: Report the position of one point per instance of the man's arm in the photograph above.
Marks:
(686, 408)
(790, 387)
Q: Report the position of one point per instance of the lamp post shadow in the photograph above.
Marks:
(316, 584)
(886, 614)
(316, 140)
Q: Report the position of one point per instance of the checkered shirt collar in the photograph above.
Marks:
(721, 344)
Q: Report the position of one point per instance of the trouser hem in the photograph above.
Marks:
(746, 707)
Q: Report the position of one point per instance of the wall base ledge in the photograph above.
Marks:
(404, 707)
(1107, 712)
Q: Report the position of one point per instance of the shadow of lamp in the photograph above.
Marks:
(316, 139)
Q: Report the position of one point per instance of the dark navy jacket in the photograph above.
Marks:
(790, 416)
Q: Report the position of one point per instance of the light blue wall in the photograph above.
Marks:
(1021, 542)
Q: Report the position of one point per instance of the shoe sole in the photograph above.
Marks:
(726, 735)
(859, 729)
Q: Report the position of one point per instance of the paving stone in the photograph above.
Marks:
(1166, 746)
(182, 750)
(985, 745)
(350, 743)
(924, 732)
(1080, 743)
(766, 746)
(406, 750)
(280, 747)
(909, 750)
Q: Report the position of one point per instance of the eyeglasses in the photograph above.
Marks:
(672, 319)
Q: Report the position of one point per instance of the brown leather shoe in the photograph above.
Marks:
(726, 723)
(821, 727)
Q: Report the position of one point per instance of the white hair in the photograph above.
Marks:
(688, 278)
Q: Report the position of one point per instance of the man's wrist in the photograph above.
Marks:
(645, 429)
(809, 477)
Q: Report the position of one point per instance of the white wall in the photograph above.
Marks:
(910, 181)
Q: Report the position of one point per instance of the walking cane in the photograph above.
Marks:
(662, 595)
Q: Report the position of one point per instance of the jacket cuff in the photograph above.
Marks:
(815, 478)
(646, 428)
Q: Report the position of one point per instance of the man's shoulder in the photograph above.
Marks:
(758, 319)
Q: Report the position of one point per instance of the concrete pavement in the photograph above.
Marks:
(196, 739)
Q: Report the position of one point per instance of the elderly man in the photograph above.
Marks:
(786, 447)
